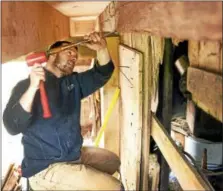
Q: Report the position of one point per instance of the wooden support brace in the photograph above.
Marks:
(186, 174)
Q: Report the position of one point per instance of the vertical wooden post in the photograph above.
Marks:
(167, 105)
(112, 131)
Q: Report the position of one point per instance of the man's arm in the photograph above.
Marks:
(15, 118)
(17, 115)
(96, 77)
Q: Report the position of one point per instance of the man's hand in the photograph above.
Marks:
(96, 41)
(36, 75)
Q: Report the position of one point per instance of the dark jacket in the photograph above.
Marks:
(56, 139)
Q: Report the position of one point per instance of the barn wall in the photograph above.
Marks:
(204, 78)
(30, 26)
(151, 48)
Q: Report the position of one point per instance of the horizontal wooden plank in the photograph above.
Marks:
(186, 174)
(206, 89)
(206, 55)
(209, 56)
(182, 20)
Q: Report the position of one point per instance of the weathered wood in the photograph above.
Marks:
(131, 116)
(142, 42)
(167, 105)
(154, 170)
(12, 178)
(157, 53)
(209, 56)
(206, 55)
(108, 18)
(152, 49)
(8, 174)
(186, 174)
(191, 115)
(30, 26)
(182, 20)
(206, 89)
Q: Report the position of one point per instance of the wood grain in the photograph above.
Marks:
(182, 20)
(186, 174)
(131, 116)
(209, 56)
(143, 43)
(112, 131)
(193, 52)
(206, 55)
(30, 26)
(81, 28)
(206, 89)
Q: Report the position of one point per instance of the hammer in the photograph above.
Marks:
(31, 59)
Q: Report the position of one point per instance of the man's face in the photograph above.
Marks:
(66, 59)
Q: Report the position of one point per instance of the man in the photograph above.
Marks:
(54, 158)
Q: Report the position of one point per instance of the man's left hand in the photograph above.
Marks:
(96, 41)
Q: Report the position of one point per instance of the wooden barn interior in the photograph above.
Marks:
(164, 97)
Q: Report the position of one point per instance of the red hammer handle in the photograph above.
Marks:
(44, 101)
(31, 59)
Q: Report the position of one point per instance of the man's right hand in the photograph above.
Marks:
(36, 75)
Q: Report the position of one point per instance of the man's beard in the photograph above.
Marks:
(66, 68)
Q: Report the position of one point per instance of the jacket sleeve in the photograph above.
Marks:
(15, 118)
(95, 78)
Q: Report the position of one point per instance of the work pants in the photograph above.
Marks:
(93, 171)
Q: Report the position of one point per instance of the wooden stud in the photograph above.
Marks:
(209, 56)
(131, 116)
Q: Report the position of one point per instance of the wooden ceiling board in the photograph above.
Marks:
(78, 8)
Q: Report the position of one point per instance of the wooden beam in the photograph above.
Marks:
(186, 174)
(167, 105)
(154, 172)
(143, 43)
(206, 89)
(182, 20)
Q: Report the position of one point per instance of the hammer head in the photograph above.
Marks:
(36, 57)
